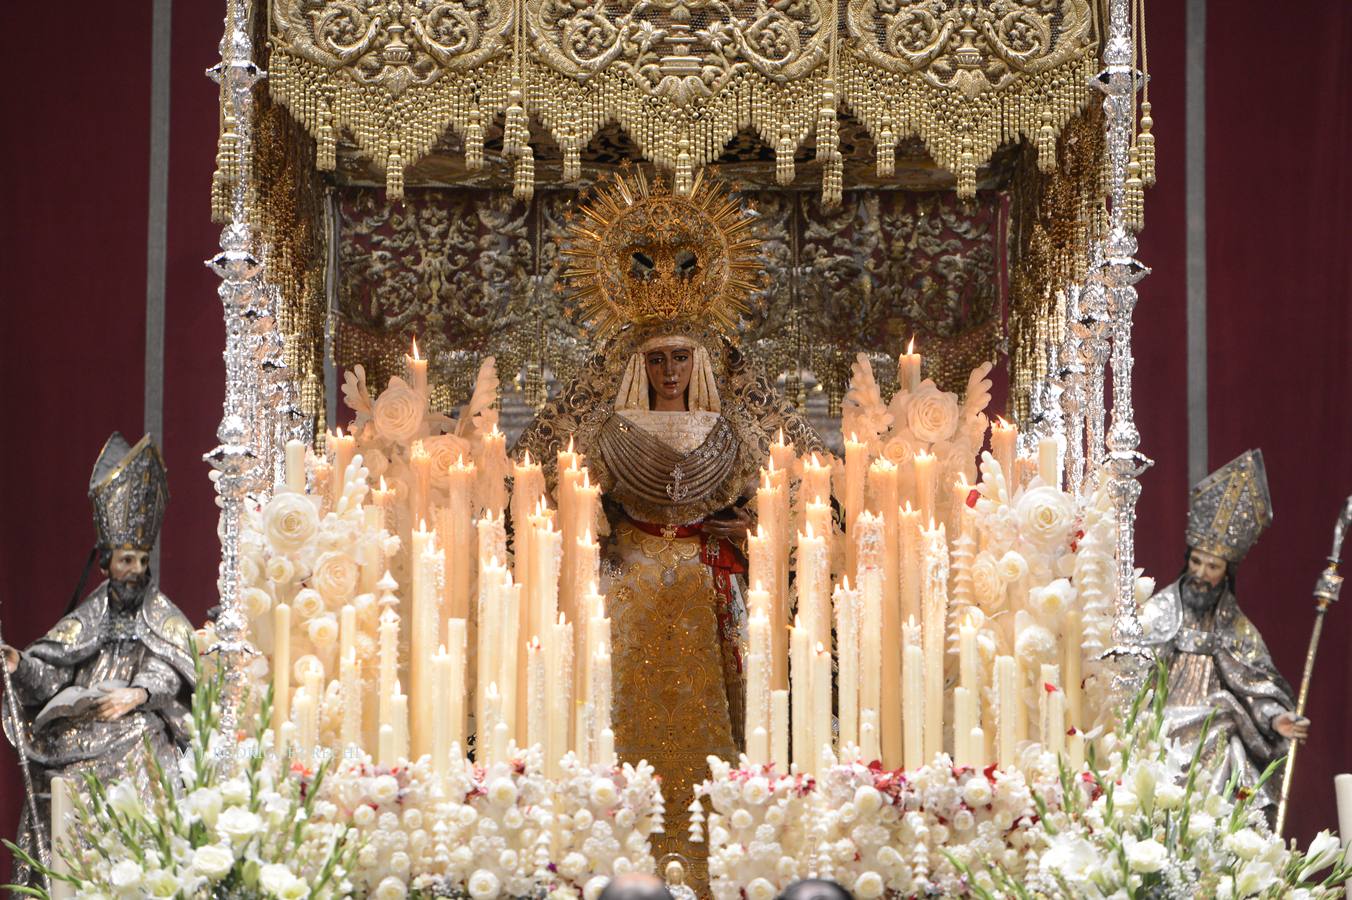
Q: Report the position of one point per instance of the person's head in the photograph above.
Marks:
(815, 889)
(635, 886)
(1205, 576)
(125, 565)
(669, 366)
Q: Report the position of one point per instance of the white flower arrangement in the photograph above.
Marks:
(234, 820)
(1134, 823)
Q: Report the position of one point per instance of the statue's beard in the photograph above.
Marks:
(1199, 596)
(129, 593)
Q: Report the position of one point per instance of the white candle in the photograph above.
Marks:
(344, 446)
(441, 722)
(908, 368)
(856, 466)
(456, 689)
(1006, 698)
(908, 527)
(882, 497)
(813, 577)
(1342, 791)
(913, 697)
(934, 602)
(967, 656)
(758, 681)
(758, 746)
(605, 750)
(779, 728)
(800, 675)
(295, 466)
(821, 706)
(1075, 750)
(457, 536)
(847, 603)
(1049, 462)
(873, 693)
(869, 748)
(400, 715)
(1004, 437)
(492, 537)
(1071, 643)
(1051, 709)
(350, 684)
(964, 718)
(281, 665)
(816, 484)
(302, 711)
(417, 370)
(387, 753)
(925, 477)
(61, 808)
(492, 475)
(535, 693)
(420, 461)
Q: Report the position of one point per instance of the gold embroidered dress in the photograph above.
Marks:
(653, 269)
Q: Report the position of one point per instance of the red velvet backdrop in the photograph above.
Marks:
(1280, 320)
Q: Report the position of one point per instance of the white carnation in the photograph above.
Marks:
(1147, 856)
(868, 886)
(483, 885)
(391, 888)
(502, 792)
(238, 824)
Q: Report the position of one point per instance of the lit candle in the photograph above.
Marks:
(782, 453)
(874, 693)
(856, 467)
(816, 483)
(882, 496)
(869, 749)
(344, 446)
(959, 513)
(813, 579)
(1071, 644)
(421, 463)
(492, 537)
(913, 697)
(417, 370)
(1006, 698)
(295, 466)
(779, 728)
(934, 604)
(383, 498)
(458, 536)
(1004, 437)
(389, 661)
(281, 665)
(493, 470)
(1049, 462)
(818, 518)
(908, 368)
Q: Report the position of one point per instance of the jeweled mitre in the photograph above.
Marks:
(1230, 508)
(130, 490)
(641, 254)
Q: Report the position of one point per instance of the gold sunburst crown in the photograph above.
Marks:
(639, 253)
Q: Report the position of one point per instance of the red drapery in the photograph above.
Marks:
(72, 259)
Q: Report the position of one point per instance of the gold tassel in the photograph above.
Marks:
(523, 178)
(833, 181)
(1046, 145)
(220, 198)
(515, 132)
(1134, 195)
(886, 150)
(784, 159)
(394, 174)
(1146, 143)
(966, 172)
(684, 182)
(828, 137)
(572, 158)
(474, 142)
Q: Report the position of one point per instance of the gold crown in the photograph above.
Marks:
(639, 253)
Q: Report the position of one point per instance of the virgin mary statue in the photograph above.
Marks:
(674, 425)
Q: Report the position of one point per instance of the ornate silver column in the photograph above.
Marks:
(236, 459)
(1115, 276)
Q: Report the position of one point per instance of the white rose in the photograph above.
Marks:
(501, 792)
(932, 414)
(398, 412)
(302, 667)
(867, 799)
(307, 604)
(213, 861)
(1051, 600)
(1046, 517)
(384, 788)
(483, 885)
(256, 602)
(869, 885)
(756, 790)
(1034, 644)
(280, 570)
(335, 577)
(899, 451)
(1012, 567)
(290, 521)
(235, 791)
(391, 888)
(603, 792)
(238, 824)
(1147, 856)
(161, 883)
(987, 585)
(1199, 823)
(376, 463)
(977, 791)
(274, 878)
(445, 450)
(741, 819)
(1245, 843)
(323, 630)
(760, 889)
(125, 875)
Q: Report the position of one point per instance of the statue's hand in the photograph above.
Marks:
(11, 657)
(733, 529)
(1291, 726)
(118, 703)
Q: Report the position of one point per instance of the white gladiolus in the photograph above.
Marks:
(1323, 852)
(125, 875)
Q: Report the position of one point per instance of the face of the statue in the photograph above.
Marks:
(129, 566)
(1206, 569)
(669, 371)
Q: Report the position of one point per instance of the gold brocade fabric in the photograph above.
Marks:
(671, 691)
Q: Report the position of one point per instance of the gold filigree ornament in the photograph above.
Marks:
(640, 254)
